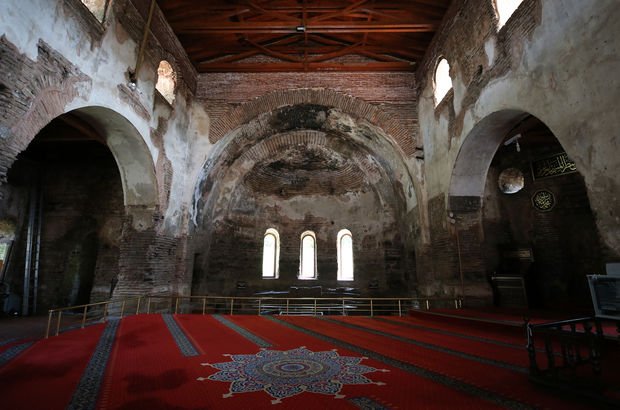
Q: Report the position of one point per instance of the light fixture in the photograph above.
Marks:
(514, 139)
(300, 29)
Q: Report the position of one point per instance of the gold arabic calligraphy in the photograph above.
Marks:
(556, 165)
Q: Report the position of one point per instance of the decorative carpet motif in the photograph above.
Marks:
(12, 352)
(283, 374)
(243, 332)
(185, 346)
(87, 391)
(366, 403)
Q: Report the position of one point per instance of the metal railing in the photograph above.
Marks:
(83, 315)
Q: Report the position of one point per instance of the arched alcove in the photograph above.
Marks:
(303, 168)
(527, 235)
(66, 196)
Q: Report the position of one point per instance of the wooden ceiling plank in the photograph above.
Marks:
(296, 67)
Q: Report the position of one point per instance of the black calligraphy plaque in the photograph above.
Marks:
(558, 164)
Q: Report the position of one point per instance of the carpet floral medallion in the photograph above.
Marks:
(283, 374)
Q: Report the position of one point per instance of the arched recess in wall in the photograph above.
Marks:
(527, 234)
(310, 166)
(131, 153)
(69, 189)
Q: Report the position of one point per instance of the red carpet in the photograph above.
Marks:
(46, 375)
(501, 381)
(185, 362)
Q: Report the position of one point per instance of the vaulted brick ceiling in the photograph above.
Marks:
(304, 35)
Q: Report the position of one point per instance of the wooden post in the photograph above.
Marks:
(84, 316)
(58, 323)
(49, 323)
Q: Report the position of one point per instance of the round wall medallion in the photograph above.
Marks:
(543, 200)
(511, 181)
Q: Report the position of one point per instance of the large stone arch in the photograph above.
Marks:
(236, 141)
(121, 136)
(354, 106)
(468, 178)
(219, 213)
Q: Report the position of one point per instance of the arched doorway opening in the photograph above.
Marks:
(64, 206)
(540, 238)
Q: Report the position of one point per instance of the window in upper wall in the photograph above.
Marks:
(504, 9)
(97, 7)
(345, 255)
(271, 254)
(443, 82)
(307, 263)
(166, 81)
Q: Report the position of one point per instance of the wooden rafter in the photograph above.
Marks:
(304, 35)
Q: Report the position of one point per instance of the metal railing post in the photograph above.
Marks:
(287, 306)
(122, 308)
(49, 323)
(148, 305)
(204, 305)
(138, 305)
(371, 309)
(84, 316)
(428, 306)
(232, 303)
(58, 323)
(314, 307)
(259, 306)
(105, 311)
(176, 306)
(343, 314)
(400, 311)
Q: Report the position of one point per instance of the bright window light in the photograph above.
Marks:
(443, 82)
(505, 8)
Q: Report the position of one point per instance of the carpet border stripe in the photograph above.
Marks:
(429, 346)
(87, 392)
(451, 333)
(186, 347)
(260, 342)
(12, 352)
(413, 369)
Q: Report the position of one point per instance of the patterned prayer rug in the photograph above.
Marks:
(283, 374)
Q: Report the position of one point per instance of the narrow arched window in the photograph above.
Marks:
(97, 8)
(166, 81)
(345, 255)
(271, 254)
(505, 9)
(443, 81)
(307, 262)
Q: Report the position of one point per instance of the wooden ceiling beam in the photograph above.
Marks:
(280, 28)
(297, 67)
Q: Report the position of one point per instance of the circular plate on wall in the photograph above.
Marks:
(543, 200)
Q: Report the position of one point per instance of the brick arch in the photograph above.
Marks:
(354, 106)
(122, 138)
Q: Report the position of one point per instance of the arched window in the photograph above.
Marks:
(345, 255)
(307, 262)
(97, 7)
(166, 81)
(504, 9)
(443, 81)
(271, 254)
